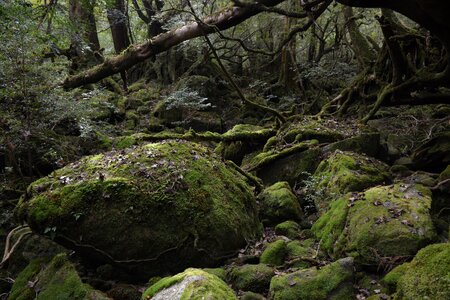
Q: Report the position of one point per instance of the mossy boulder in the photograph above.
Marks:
(391, 279)
(288, 229)
(192, 284)
(253, 138)
(381, 223)
(291, 164)
(57, 279)
(300, 253)
(143, 208)
(345, 172)
(278, 203)
(255, 278)
(31, 247)
(365, 143)
(333, 281)
(274, 253)
(427, 276)
(433, 155)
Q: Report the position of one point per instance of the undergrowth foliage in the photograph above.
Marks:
(31, 99)
(187, 98)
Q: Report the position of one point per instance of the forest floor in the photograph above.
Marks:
(313, 208)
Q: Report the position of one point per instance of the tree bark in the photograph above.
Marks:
(82, 12)
(360, 45)
(118, 23)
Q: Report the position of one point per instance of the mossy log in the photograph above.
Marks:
(191, 135)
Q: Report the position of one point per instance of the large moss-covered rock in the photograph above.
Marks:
(255, 278)
(333, 281)
(274, 253)
(344, 172)
(288, 229)
(278, 203)
(55, 280)
(192, 284)
(145, 208)
(427, 276)
(382, 222)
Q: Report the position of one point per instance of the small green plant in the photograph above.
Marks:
(310, 190)
(187, 98)
(50, 232)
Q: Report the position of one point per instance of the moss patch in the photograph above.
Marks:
(381, 223)
(255, 278)
(427, 276)
(346, 172)
(289, 229)
(274, 254)
(219, 272)
(278, 203)
(334, 281)
(192, 284)
(55, 280)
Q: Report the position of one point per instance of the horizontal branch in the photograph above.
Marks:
(137, 53)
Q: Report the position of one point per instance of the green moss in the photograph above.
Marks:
(20, 289)
(392, 278)
(219, 272)
(255, 278)
(297, 250)
(427, 276)
(198, 285)
(311, 284)
(57, 280)
(444, 174)
(207, 205)
(329, 227)
(265, 158)
(241, 140)
(105, 141)
(345, 172)
(385, 221)
(400, 226)
(289, 229)
(125, 142)
(278, 203)
(274, 254)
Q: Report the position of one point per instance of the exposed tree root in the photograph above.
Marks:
(286, 152)
(21, 231)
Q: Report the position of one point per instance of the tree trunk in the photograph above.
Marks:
(360, 45)
(118, 23)
(82, 13)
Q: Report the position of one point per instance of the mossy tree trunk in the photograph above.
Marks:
(119, 30)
